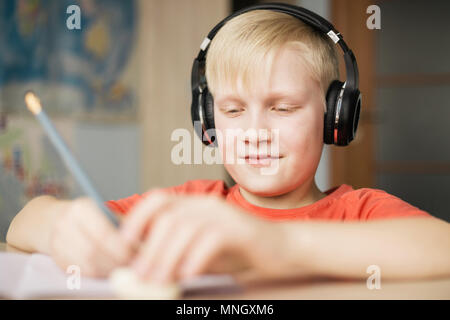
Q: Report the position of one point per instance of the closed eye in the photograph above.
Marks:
(285, 109)
(231, 112)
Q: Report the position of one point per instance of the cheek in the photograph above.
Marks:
(223, 125)
(303, 135)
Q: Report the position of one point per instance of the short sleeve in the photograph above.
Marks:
(123, 206)
(211, 187)
(378, 204)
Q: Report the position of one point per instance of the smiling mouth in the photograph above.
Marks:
(260, 161)
(258, 157)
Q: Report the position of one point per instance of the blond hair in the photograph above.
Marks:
(249, 41)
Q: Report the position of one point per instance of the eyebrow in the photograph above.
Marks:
(228, 98)
(274, 96)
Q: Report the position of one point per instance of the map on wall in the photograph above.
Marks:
(78, 74)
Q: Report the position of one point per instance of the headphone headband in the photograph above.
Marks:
(309, 17)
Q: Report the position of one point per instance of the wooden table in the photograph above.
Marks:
(329, 289)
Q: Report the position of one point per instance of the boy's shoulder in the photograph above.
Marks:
(372, 203)
(200, 186)
(360, 204)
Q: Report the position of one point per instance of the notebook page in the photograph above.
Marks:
(24, 276)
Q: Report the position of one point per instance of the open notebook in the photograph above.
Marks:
(24, 276)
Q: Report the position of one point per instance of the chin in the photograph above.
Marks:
(264, 186)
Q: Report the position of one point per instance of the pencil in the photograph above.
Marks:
(34, 105)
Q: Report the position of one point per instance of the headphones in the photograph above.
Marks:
(343, 99)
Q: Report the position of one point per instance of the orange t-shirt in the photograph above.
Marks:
(341, 203)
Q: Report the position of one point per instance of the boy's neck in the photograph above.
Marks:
(304, 195)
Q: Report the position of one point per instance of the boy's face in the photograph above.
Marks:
(289, 100)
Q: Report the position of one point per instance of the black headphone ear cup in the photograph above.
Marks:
(331, 100)
(208, 116)
(209, 109)
(349, 116)
(358, 99)
(195, 116)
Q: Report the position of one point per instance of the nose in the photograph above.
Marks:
(258, 130)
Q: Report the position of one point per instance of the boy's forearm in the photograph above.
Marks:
(30, 229)
(402, 248)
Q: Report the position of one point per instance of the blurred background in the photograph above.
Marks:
(117, 88)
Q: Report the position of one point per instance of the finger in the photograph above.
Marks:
(202, 254)
(101, 232)
(140, 218)
(185, 235)
(162, 232)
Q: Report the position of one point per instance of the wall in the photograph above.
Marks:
(170, 35)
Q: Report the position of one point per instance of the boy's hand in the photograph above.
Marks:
(184, 236)
(81, 235)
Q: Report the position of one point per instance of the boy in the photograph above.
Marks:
(265, 70)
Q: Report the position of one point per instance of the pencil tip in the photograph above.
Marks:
(32, 101)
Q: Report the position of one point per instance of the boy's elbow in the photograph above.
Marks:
(10, 235)
(17, 227)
